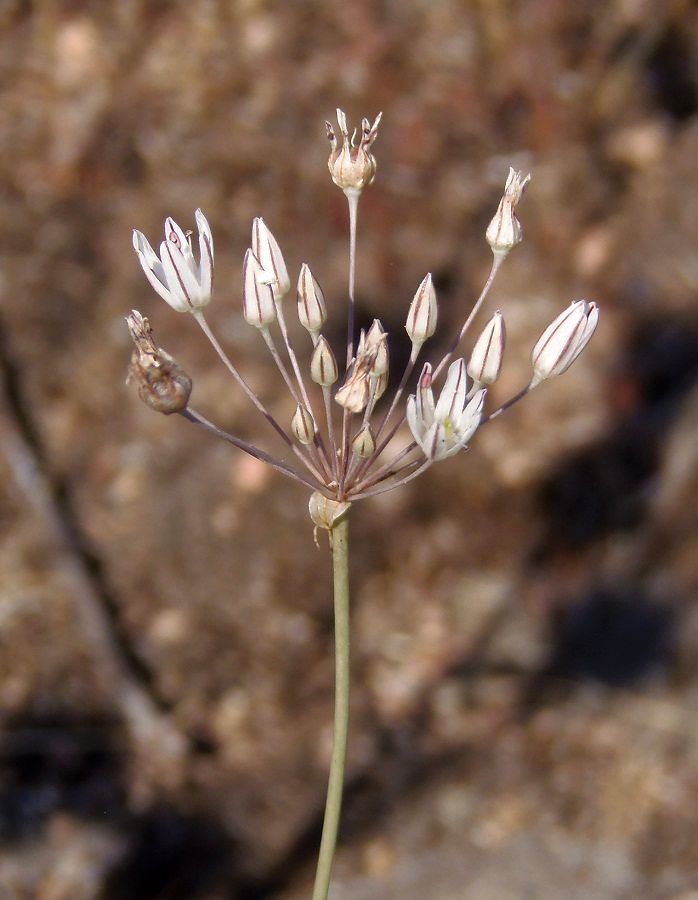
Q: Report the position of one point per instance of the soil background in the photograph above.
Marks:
(525, 706)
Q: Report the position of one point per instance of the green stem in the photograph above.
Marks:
(339, 541)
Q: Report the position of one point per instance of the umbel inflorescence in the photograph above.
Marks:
(340, 435)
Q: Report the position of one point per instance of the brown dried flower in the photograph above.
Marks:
(163, 385)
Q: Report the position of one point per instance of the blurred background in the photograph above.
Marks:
(525, 707)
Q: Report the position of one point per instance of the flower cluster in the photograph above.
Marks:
(345, 454)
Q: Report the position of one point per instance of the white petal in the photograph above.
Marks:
(425, 397)
(429, 442)
(147, 256)
(414, 421)
(180, 279)
(154, 271)
(469, 421)
(205, 253)
(441, 442)
(453, 394)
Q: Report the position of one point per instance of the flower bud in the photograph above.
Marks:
(563, 340)
(268, 252)
(312, 311)
(325, 512)
(352, 167)
(163, 385)
(303, 425)
(257, 295)
(323, 365)
(504, 231)
(486, 360)
(364, 443)
(423, 313)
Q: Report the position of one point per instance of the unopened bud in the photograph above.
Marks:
(504, 231)
(486, 360)
(312, 311)
(323, 365)
(352, 167)
(257, 295)
(268, 252)
(364, 443)
(163, 385)
(563, 340)
(324, 512)
(303, 425)
(423, 313)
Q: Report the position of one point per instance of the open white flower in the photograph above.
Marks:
(175, 274)
(443, 428)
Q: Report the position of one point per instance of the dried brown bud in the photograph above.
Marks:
(163, 385)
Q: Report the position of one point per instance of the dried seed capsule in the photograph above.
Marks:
(163, 385)
(303, 425)
(312, 312)
(323, 365)
(486, 360)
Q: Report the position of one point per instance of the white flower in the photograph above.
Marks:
(444, 428)
(175, 275)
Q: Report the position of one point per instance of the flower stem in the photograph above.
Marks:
(339, 542)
